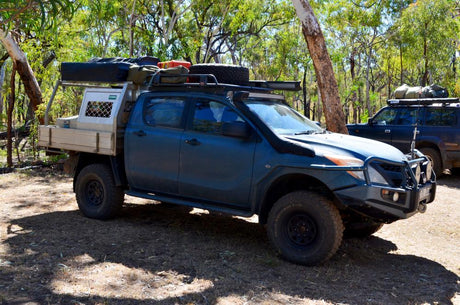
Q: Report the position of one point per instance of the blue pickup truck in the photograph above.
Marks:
(237, 149)
(435, 121)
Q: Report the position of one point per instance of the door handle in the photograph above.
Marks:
(140, 133)
(193, 142)
(387, 130)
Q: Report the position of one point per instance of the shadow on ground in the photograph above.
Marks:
(231, 255)
(450, 180)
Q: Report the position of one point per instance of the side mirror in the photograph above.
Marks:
(236, 130)
(370, 121)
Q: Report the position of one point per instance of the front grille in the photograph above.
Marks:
(399, 176)
(393, 174)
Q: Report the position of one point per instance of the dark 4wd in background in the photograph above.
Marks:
(437, 123)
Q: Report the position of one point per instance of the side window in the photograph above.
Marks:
(441, 117)
(210, 115)
(386, 117)
(407, 116)
(166, 112)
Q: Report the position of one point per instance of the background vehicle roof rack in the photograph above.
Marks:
(423, 101)
(276, 85)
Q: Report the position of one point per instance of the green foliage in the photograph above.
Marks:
(367, 39)
(23, 13)
(429, 34)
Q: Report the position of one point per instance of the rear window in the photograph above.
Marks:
(165, 112)
(441, 117)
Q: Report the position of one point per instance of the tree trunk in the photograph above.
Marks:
(401, 64)
(368, 68)
(425, 59)
(335, 119)
(389, 76)
(306, 105)
(454, 65)
(2, 79)
(319, 114)
(9, 122)
(24, 70)
(131, 30)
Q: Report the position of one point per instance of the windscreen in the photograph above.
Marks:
(282, 119)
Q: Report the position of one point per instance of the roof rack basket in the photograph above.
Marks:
(423, 101)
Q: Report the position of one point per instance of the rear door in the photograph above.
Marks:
(153, 141)
(442, 127)
(214, 167)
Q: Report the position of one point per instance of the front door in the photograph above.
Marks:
(402, 132)
(215, 167)
(381, 127)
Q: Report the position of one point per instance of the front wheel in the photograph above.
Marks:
(97, 195)
(435, 158)
(305, 227)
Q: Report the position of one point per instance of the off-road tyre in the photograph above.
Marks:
(361, 229)
(226, 74)
(305, 228)
(97, 195)
(433, 155)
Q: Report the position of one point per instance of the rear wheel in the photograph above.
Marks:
(305, 227)
(97, 195)
(435, 158)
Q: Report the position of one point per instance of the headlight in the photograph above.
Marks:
(348, 161)
(375, 176)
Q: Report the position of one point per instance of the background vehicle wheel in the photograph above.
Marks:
(97, 195)
(361, 229)
(305, 227)
(435, 159)
(227, 74)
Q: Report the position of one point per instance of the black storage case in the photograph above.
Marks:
(108, 70)
(94, 71)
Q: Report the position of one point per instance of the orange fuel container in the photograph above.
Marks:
(174, 63)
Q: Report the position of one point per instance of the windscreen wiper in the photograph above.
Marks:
(305, 132)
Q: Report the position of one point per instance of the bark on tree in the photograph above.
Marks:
(306, 104)
(327, 84)
(9, 121)
(23, 68)
(131, 30)
(354, 96)
(2, 79)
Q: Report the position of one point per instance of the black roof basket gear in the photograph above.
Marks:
(159, 79)
(423, 101)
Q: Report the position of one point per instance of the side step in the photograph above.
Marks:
(206, 206)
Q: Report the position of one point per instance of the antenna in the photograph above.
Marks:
(414, 136)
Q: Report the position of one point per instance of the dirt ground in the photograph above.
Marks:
(162, 254)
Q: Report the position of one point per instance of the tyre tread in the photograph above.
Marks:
(323, 206)
(114, 195)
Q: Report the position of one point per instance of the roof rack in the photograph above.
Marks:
(210, 81)
(423, 101)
